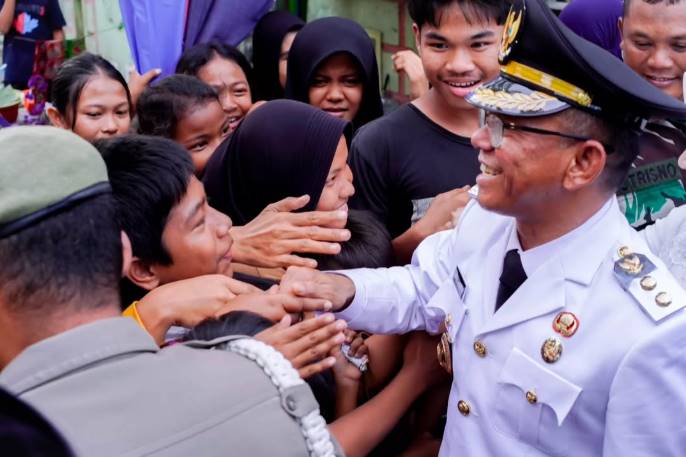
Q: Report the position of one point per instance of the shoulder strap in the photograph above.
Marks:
(646, 279)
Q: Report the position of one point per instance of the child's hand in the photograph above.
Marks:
(356, 341)
(138, 82)
(345, 372)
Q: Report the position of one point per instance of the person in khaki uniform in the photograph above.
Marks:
(100, 378)
(564, 333)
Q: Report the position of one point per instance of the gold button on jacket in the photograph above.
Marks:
(463, 407)
(531, 397)
(480, 348)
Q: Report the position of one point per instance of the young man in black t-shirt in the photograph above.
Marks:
(24, 22)
(402, 161)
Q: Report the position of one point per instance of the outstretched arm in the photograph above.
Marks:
(385, 300)
(7, 16)
(361, 430)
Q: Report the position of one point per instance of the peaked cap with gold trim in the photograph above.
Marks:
(546, 68)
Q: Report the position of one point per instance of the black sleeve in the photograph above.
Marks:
(55, 16)
(369, 164)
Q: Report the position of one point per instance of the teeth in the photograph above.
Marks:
(488, 171)
(463, 85)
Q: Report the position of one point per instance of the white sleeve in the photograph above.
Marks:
(646, 412)
(393, 300)
(661, 234)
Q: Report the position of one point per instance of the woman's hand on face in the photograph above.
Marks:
(307, 343)
(271, 239)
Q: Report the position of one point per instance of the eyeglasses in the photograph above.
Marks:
(496, 126)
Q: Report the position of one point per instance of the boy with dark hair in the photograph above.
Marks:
(403, 160)
(106, 386)
(177, 239)
(161, 205)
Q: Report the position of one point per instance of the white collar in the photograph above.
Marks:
(533, 258)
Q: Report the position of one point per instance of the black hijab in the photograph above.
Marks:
(282, 149)
(266, 51)
(319, 40)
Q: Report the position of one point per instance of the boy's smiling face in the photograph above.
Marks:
(201, 131)
(196, 237)
(458, 55)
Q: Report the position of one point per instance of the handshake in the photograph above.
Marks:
(310, 344)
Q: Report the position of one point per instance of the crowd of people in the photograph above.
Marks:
(249, 257)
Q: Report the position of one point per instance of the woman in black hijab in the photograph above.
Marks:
(271, 41)
(282, 149)
(332, 65)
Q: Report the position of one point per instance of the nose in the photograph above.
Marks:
(334, 93)
(110, 126)
(221, 222)
(661, 59)
(461, 62)
(347, 191)
(481, 140)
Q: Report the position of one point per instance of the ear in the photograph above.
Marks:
(56, 118)
(142, 274)
(126, 253)
(417, 38)
(620, 26)
(587, 164)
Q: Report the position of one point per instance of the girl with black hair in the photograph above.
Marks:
(271, 42)
(283, 148)
(91, 98)
(332, 65)
(227, 71)
(186, 110)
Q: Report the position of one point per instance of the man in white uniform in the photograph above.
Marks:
(567, 334)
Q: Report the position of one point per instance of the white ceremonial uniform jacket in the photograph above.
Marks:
(619, 387)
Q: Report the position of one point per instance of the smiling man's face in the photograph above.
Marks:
(654, 43)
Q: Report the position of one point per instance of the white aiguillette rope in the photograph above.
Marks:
(284, 376)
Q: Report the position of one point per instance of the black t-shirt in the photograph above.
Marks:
(33, 20)
(401, 161)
